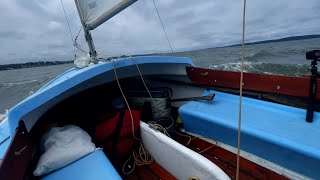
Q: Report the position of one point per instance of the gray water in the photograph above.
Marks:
(17, 84)
(283, 58)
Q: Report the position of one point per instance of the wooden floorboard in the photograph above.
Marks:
(227, 161)
(161, 173)
(224, 159)
(151, 171)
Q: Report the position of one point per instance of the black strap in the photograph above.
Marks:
(116, 134)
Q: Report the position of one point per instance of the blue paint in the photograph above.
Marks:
(93, 166)
(74, 77)
(272, 131)
(4, 134)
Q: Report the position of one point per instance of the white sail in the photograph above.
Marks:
(95, 12)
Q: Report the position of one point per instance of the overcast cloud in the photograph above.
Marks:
(35, 30)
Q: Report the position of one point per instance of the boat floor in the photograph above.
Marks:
(225, 159)
(151, 171)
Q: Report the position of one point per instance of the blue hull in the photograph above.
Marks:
(75, 80)
(274, 132)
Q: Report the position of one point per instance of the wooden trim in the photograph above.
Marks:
(285, 85)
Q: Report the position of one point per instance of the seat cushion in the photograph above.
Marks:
(93, 166)
(271, 131)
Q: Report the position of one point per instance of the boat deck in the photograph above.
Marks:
(271, 131)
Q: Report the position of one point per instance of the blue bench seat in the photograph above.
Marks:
(272, 131)
(93, 166)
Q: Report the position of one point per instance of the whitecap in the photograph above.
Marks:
(9, 84)
(3, 115)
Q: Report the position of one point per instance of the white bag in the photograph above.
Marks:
(62, 146)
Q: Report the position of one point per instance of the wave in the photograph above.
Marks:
(3, 116)
(263, 54)
(265, 68)
(267, 55)
(13, 92)
(9, 84)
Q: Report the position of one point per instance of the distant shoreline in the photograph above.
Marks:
(292, 38)
(50, 63)
(32, 64)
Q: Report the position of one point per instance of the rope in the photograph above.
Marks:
(142, 79)
(142, 157)
(71, 36)
(145, 85)
(125, 99)
(187, 136)
(78, 34)
(210, 147)
(164, 30)
(160, 128)
(241, 83)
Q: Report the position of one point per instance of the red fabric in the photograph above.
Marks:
(126, 142)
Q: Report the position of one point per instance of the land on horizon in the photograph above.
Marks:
(49, 63)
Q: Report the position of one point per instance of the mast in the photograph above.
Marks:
(87, 34)
(95, 13)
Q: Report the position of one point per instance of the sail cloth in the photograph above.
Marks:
(95, 12)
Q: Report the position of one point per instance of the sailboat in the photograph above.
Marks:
(278, 140)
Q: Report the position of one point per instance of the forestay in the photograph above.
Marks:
(95, 12)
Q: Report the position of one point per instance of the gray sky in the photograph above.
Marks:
(34, 30)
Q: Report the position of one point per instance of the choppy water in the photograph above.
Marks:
(16, 85)
(284, 58)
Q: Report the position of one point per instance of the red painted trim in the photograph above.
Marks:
(18, 156)
(285, 85)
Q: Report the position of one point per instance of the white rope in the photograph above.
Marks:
(154, 125)
(124, 98)
(142, 157)
(241, 83)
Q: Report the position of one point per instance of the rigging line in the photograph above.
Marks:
(78, 34)
(145, 85)
(241, 84)
(164, 30)
(71, 36)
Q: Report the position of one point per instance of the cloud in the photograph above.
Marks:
(54, 25)
(36, 29)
